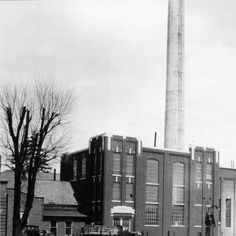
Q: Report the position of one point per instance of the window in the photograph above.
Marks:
(94, 191)
(129, 165)
(99, 161)
(178, 190)
(178, 174)
(129, 192)
(152, 193)
(178, 195)
(178, 215)
(126, 222)
(152, 214)
(116, 191)
(83, 168)
(68, 228)
(116, 222)
(75, 169)
(228, 213)
(116, 163)
(99, 191)
(209, 172)
(152, 171)
(95, 164)
(53, 227)
(198, 172)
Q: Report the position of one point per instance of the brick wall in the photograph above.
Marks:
(36, 213)
(3, 208)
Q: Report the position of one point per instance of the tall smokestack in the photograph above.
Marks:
(174, 115)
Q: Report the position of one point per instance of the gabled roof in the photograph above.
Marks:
(51, 210)
(63, 213)
(53, 192)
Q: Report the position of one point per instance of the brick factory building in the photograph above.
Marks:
(153, 191)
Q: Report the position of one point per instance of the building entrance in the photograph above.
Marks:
(125, 222)
(122, 216)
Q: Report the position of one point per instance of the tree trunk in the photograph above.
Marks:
(29, 199)
(17, 200)
(17, 231)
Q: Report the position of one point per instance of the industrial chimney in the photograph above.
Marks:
(174, 115)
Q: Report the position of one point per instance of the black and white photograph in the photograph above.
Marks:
(117, 118)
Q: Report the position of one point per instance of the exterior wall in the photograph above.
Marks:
(204, 194)
(89, 189)
(228, 191)
(36, 213)
(66, 168)
(124, 146)
(76, 226)
(3, 208)
(151, 154)
(82, 186)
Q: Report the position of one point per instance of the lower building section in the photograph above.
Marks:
(54, 207)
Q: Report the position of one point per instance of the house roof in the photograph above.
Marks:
(62, 213)
(53, 192)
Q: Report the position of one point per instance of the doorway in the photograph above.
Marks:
(123, 221)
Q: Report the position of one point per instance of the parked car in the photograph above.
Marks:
(33, 230)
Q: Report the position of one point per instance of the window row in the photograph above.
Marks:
(129, 191)
(83, 168)
(68, 227)
(152, 214)
(117, 164)
(199, 172)
(97, 165)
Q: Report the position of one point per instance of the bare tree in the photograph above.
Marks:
(33, 121)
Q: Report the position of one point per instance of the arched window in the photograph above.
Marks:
(152, 192)
(178, 190)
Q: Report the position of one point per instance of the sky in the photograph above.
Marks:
(113, 54)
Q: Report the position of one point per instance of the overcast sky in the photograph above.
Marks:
(113, 53)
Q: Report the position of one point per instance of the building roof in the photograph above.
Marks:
(62, 213)
(53, 192)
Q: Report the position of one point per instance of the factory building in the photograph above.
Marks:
(117, 182)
